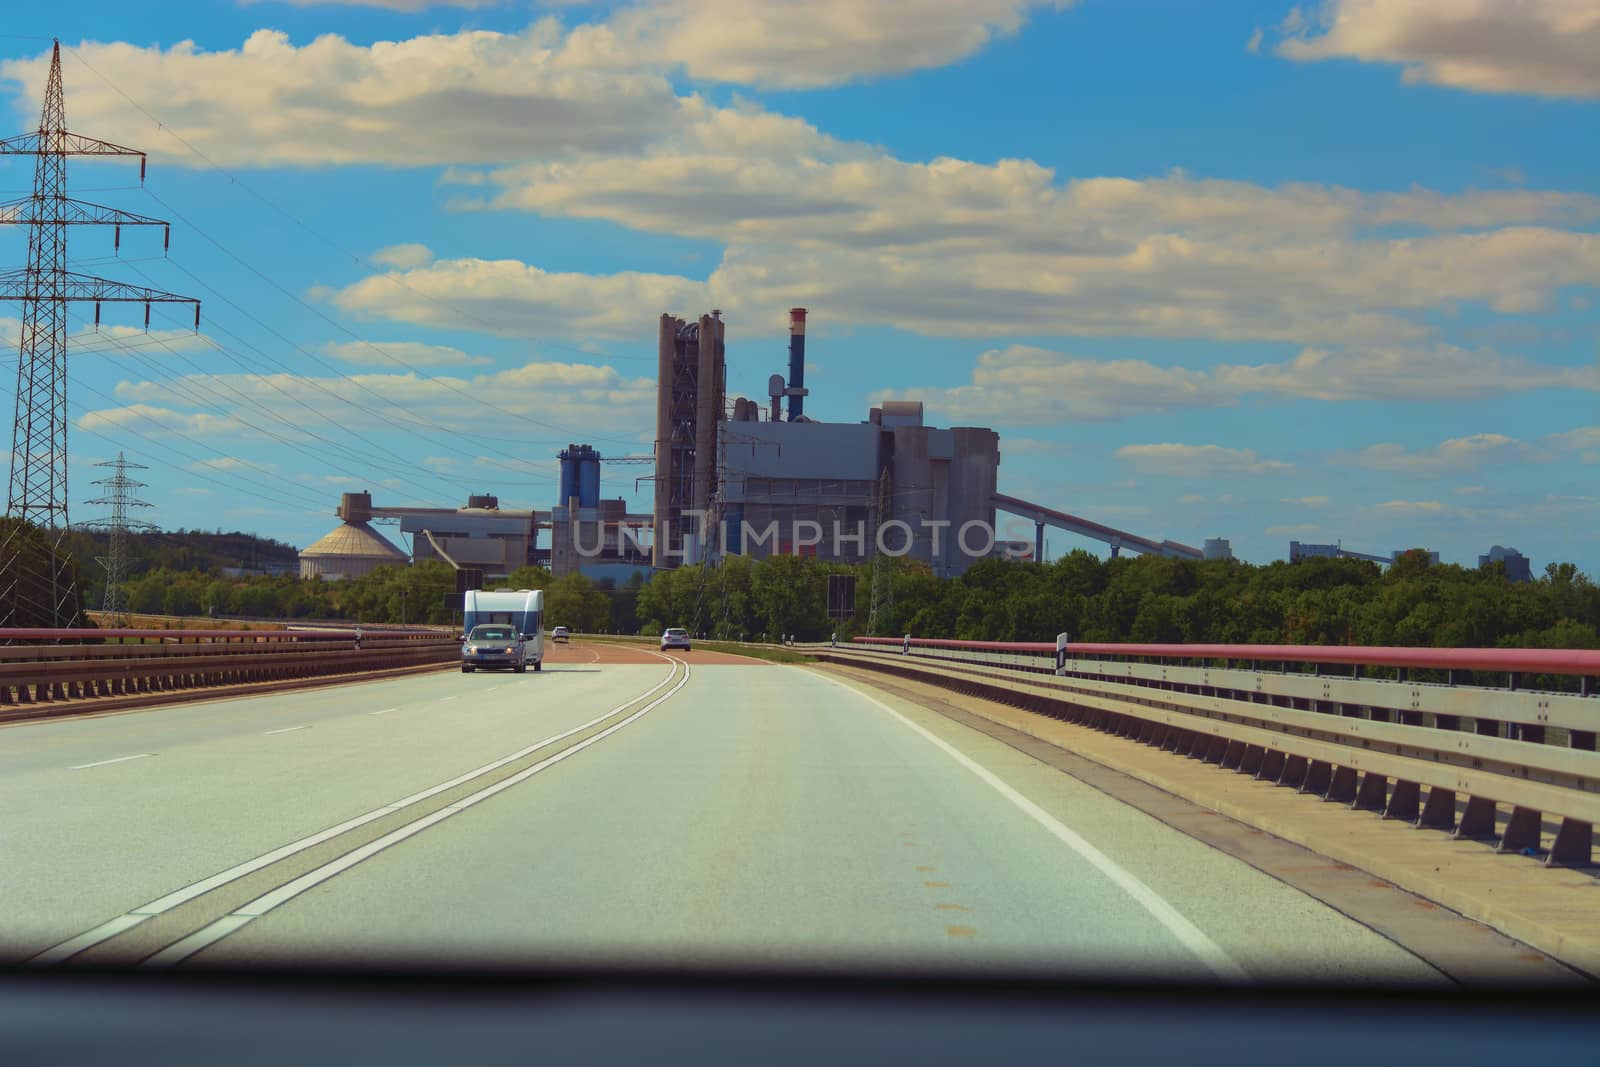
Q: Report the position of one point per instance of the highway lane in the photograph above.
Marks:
(769, 815)
(87, 833)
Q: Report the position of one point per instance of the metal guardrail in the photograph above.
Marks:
(1375, 744)
(44, 666)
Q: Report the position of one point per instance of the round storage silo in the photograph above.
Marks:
(569, 475)
(350, 550)
(589, 480)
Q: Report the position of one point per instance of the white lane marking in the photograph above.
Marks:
(69, 948)
(221, 928)
(205, 885)
(446, 700)
(108, 762)
(182, 949)
(385, 711)
(1191, 936)
(287, 730)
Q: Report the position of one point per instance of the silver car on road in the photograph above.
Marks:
(493, 645)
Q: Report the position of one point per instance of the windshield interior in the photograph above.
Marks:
(1124, 475)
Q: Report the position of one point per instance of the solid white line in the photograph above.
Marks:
(88, 939)
(108, 762)
(289, 890)
(206, 885)
(162, 904)
(385, 711)
(287, 730)
(1191, 936)
(182, 949)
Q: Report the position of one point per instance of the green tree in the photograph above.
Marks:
(35, 578)
(573, 601)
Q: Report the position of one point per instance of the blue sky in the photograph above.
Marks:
(1244, 270)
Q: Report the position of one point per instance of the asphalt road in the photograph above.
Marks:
(616, 812)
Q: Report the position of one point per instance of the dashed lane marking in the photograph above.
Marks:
(108, 762)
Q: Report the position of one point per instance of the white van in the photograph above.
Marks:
(522, 608)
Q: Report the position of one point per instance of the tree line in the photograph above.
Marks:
(1132, 598)
(1141, 599)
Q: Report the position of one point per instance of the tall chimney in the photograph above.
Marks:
(668, 347)
(705, 425)
(797, 363)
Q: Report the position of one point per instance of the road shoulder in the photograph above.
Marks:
(1376, 872)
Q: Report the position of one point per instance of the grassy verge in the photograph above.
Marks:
(732, 648)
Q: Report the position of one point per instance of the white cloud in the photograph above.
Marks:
(154, 420)
(1455, 455)
(1253, 45)
(403, 256)
(1023, 385)
(802, 44)
(1469, 490)
(1306, 501)
(536, 400)
(194, 490)
(514, 299)
(401, 353)
(1197, 461)
(473, 96)
(112, 339)
(442, 464)
(952, 246)
(1585, 440)
(1540, 47)
(1294, 528)
(941, 246)
(1192, 498)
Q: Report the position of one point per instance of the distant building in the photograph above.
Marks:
(1299, 550)
(1219, 548)
(1518, 568)
(926, 483)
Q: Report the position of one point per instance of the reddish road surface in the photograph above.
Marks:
(581, 651)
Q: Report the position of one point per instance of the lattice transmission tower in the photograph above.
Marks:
(119, 498)
(38, 487)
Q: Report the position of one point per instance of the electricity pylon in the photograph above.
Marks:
(38, 488)
(119, 498)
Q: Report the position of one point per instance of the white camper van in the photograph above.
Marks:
(522, 609)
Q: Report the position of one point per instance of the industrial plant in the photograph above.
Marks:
(741, 477)
(1299, 550)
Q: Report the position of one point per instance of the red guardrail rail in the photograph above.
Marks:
(1509, 660)
(31, 635)
(57, 671)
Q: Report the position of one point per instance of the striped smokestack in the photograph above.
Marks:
(797, 363)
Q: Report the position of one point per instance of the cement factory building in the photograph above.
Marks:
(738, 478)
(759, 483)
